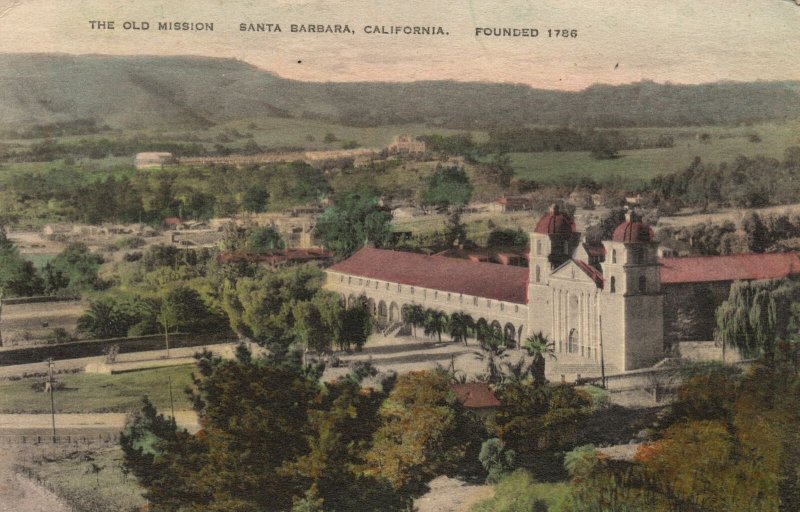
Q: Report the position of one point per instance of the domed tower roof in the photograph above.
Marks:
(633, 231)
(555, 222)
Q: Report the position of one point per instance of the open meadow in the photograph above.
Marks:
(95, 393)
(633, 168)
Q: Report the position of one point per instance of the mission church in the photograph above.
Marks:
(612, 301)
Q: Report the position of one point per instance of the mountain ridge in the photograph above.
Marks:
(196, 91)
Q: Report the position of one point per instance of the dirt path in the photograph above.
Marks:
(21, 494)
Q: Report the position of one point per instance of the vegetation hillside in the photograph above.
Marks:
(143, 91)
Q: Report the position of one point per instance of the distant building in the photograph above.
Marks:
(407, 145)
(515, 203)
(153, 160)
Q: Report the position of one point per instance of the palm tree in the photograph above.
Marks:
(435, 323)
(407, 312)
(459, 326)
(539, 347)
(417, 317)
(494, 344)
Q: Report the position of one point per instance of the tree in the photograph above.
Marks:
(455, 232)
(357, 325)
(435, 323)
(254, 200)
(265, 239)
(459, 325)
(255, 418)
(505, 238)
(318, 322)
(539, 347)
(756, 232)
(422, 433)
(105, 318)
(494, 344)
(18, 276)
(447, 186)
(353, 221)
(756, 317)
(75, 269)
(496, 460)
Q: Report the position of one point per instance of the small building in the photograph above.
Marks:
(173, 223)
(477, 397)
(407, 145)
(515, 204)
(153, 160)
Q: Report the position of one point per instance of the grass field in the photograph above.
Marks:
(636, 167)
(93, 393)
(70, 476)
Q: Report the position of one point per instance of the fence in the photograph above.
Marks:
(91, 348)
(71, 439)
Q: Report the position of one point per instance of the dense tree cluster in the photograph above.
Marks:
(151, 196)
(729, 443)
(746, 182)
(354, 220)
(447, 186)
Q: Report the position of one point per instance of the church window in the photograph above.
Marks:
(538, 247)
(475, 301)
(502, 307)
(360, 282)
(341, 279)
(448, 296)
(387, 286)
(642, 284)
(349, 280)
(488, 303)
(435, 295)
(516, 309)
(412, 290)
(613, 285)
(613, 255)
(566, 247)
(538, 274)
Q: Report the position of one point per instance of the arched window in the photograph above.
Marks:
(538, 274)
(613, 285)
(613, 255)
(538, 247)
(642, 284)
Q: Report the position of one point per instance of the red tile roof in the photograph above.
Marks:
(489, 280)
(736, 267)
(590, 271)
(475, 395)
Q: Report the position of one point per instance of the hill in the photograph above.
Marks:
(141, 91)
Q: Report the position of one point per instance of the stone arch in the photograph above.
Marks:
(351, 300)
(383, 311)
(495, 326)
(343, 299)
(481, 328)
(394, 312)
(510, 331)
(373, 308)
(520, 334)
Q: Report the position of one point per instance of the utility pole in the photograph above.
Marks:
(171, 402)
(1, 317)
(50, 365)
(602, 354)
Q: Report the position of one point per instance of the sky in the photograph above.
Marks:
(618, 41)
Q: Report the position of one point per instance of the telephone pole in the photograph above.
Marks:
(602, 354)
(171, 402)
(50, 365)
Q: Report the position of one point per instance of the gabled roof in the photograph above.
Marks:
(475, 395)
(488, 280)
(735, 267)
(592, 272)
